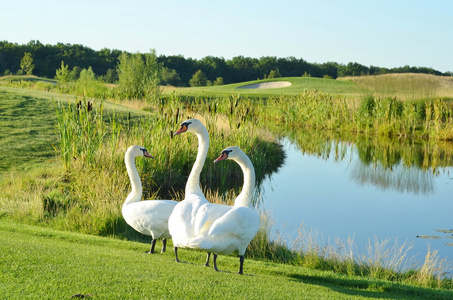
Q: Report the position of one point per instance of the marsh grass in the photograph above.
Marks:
(386, 259)
(402, 86)
(382, 117)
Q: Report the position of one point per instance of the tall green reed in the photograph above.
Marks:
(375, 116)
(81, 130)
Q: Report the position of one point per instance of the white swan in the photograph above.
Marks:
(149, 217)
(237, 225)
(181, 221)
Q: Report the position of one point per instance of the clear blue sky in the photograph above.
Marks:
(385, 33)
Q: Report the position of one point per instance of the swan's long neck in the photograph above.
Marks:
(245, 197)
(136, 193)
(193, 182)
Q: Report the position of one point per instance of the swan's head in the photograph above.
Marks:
(138, 151)
(232, 152)
(192, 125)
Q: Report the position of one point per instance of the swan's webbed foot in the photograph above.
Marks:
(241, 265)
(207, 260)
(164, 245)
(215, 262)
(153, 244)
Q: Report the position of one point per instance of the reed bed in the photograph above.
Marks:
(383, 117)
(402, 86)
(382, 259)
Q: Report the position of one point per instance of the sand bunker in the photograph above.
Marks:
(266, 85)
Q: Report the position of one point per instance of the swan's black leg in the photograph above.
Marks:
(215, 262)
(164, 245)
(207, 260)
(176, 254)
(241, 265)
(153, 244)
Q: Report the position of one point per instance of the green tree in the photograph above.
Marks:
(87, 84)
(170, 77)
(110, 76)
(139, 76)
(87, 75)
(274, 74)
(62, 74)
(75, 73)
(218, 81)
(198, 79)
(152, 76)
(26, 64)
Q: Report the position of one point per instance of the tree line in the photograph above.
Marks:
(44, 60)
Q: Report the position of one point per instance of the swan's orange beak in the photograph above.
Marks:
(181, 129)
(145, 153)
(222, 156)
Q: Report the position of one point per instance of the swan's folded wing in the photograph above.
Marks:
(239, 221)
(208, 214)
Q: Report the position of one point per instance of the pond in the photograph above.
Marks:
(363, 191)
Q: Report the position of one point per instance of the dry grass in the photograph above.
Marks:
(408, 86)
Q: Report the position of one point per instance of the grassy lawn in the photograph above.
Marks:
(42, 263)
(27, 126)
(403, 86)
(26, 131)
(348, 89)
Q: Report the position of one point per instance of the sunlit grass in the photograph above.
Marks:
(298, 85)
(44, 263)
(406, 86)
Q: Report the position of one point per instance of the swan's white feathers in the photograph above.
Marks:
(239, 221)
(232, 231)
(206, 215)
(149, 217)
(181, 223)
(223, 229)
(182, 219)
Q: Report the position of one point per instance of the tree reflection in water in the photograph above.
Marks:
(397, 164)
(400, 178)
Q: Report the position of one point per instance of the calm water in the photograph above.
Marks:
(341, 198)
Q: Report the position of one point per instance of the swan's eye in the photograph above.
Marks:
(227, 152)
(144, 150)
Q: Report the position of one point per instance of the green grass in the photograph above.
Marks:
(406, 86)
(26, 130)
(403, 86)
(298, 85)
(32, 78)
(43, 263)
(27, 126)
